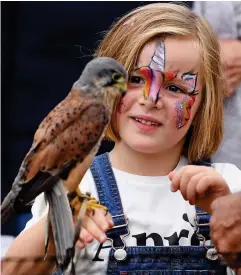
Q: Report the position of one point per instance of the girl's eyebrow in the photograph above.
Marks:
(191, 72)
(137, 68)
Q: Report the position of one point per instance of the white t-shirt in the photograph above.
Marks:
(156, 215)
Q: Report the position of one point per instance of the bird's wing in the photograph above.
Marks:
(65, 127)
(69, 142)
(63, 115)
(67, 155)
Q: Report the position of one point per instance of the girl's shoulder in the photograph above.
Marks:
(231, 174)
(38, 210)
(227, 169)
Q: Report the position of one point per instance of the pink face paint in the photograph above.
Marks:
(154, 73)
(126, 102)
(183, 109)
(191, 80)
(157, 67)
(153, 82)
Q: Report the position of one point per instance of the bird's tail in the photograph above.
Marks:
(23, 194)
(7, 206)
(60, 217)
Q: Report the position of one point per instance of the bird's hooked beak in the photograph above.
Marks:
(122, 86)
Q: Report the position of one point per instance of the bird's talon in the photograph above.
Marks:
(91, 203)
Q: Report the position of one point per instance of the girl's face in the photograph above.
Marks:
(164, 93)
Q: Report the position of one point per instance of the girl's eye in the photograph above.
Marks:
(174, 89)
(136, 79)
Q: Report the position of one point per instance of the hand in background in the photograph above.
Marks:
(230, 51)
(225, 227)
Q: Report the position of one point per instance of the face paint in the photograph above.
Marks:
(153, 74)
(153, 82)
(126, 102)
(168, 76)
(191, 80)
(158, 59)
(183, 109)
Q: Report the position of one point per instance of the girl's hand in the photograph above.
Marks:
(94, 226)
(199, 185)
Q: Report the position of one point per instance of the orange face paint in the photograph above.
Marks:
(153, 83)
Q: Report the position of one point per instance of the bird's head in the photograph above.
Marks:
(104, 72)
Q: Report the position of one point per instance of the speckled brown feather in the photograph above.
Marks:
(68, 133)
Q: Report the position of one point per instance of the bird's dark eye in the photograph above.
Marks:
(117, 77)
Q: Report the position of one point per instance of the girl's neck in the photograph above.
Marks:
(161, 164)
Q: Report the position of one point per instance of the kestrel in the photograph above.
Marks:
(63, 149)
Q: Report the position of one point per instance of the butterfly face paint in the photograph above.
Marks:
(157, 81)
(183, 107)
(153, 82)
(191, 80)
(154, 74)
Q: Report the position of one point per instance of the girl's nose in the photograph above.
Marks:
(149, 103)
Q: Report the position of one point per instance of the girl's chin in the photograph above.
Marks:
(145, 148)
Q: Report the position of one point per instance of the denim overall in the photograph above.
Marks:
(150, 260)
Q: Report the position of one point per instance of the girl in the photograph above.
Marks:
(164, 128)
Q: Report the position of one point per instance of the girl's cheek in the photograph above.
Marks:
(183, 110)
(126, 102)
(179, 111)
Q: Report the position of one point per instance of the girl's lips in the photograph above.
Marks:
(147, 118)
(146, 127)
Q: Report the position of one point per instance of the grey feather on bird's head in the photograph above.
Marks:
(103, 72)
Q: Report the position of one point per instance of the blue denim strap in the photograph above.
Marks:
(108, 193)
(203, 218)
(202, 222)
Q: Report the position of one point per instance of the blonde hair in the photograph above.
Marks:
(127, 37)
